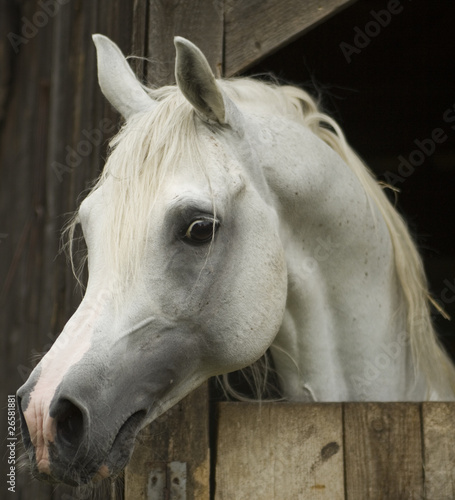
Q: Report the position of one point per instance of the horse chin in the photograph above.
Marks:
(46, 478)
(75, 478)
(123, 446)
(56, 476)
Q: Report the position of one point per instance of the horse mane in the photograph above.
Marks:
(148, 147)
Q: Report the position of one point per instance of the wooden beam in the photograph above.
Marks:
(254, 29)
(279, 450)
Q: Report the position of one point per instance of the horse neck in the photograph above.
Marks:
(342, 332)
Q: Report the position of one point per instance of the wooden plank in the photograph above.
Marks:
(171, 458)
(8, 22)
(439, 450)
(255, 28)
(139, 37)
(199, 21)
(279, 451)
(383, 451)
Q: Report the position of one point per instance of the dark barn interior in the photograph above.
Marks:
(385, 70)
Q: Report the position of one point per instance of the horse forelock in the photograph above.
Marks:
(143, 155)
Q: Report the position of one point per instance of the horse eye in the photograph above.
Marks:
(201, 231)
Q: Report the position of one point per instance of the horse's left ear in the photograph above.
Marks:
(198, 84)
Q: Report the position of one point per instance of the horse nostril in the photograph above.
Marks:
(70, 423)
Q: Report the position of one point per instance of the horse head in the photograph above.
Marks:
(187, 276)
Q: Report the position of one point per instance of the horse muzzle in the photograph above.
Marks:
(83, 428)
(71, 447)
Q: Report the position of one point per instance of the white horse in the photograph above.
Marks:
(231, 217)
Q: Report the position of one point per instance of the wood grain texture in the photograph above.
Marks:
(255, 28)
(8, 23)
(383, 451)
(180, 436)
(200, 21)
(279, 451)
(439, 450)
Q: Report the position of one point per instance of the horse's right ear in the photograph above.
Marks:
(117, 80)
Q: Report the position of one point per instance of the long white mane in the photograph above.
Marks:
(151, 144)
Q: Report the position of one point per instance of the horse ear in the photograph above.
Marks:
(197, 82)
(117, 80)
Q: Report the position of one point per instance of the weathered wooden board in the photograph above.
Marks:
(171, 459)
(199, 21)
(279, 451)
(387, 451)
(383, 451)
(439, 450)
(7, 25)
(255, 28)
